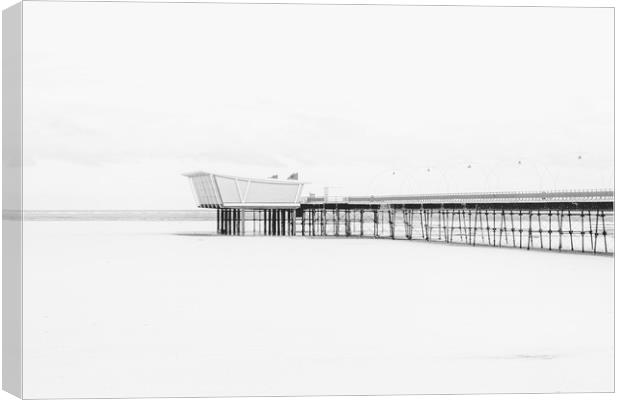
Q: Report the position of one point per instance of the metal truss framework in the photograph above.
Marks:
(583, 226)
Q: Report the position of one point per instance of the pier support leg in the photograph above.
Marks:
(242, 222)
(361, 222)
(228, 222)
(337, 211)
(347, 222)
(231, 220)
(264, 212)
(376, 223)
(235, 228)
(222, 223)
(391, 217)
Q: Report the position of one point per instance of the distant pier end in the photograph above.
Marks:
(226, 191)
(569, 220)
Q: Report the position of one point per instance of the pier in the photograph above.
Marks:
(563, 221)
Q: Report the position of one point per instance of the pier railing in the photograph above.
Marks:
(599, 195)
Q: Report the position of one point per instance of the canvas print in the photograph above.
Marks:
(219, 199)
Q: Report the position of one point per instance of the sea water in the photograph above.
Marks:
(163, 307)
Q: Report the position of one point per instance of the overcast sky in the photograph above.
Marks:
(120, 99)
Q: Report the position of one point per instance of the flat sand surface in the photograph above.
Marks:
(164, 309)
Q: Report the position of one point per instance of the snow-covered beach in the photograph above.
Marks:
(143, 308)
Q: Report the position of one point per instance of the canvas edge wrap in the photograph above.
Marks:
(12, 212)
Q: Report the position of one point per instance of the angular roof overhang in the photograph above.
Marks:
(227, 191)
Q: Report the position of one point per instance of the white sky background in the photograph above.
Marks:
(120, 99)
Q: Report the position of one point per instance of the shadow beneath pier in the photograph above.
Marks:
(196, 234)
(399, 239)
